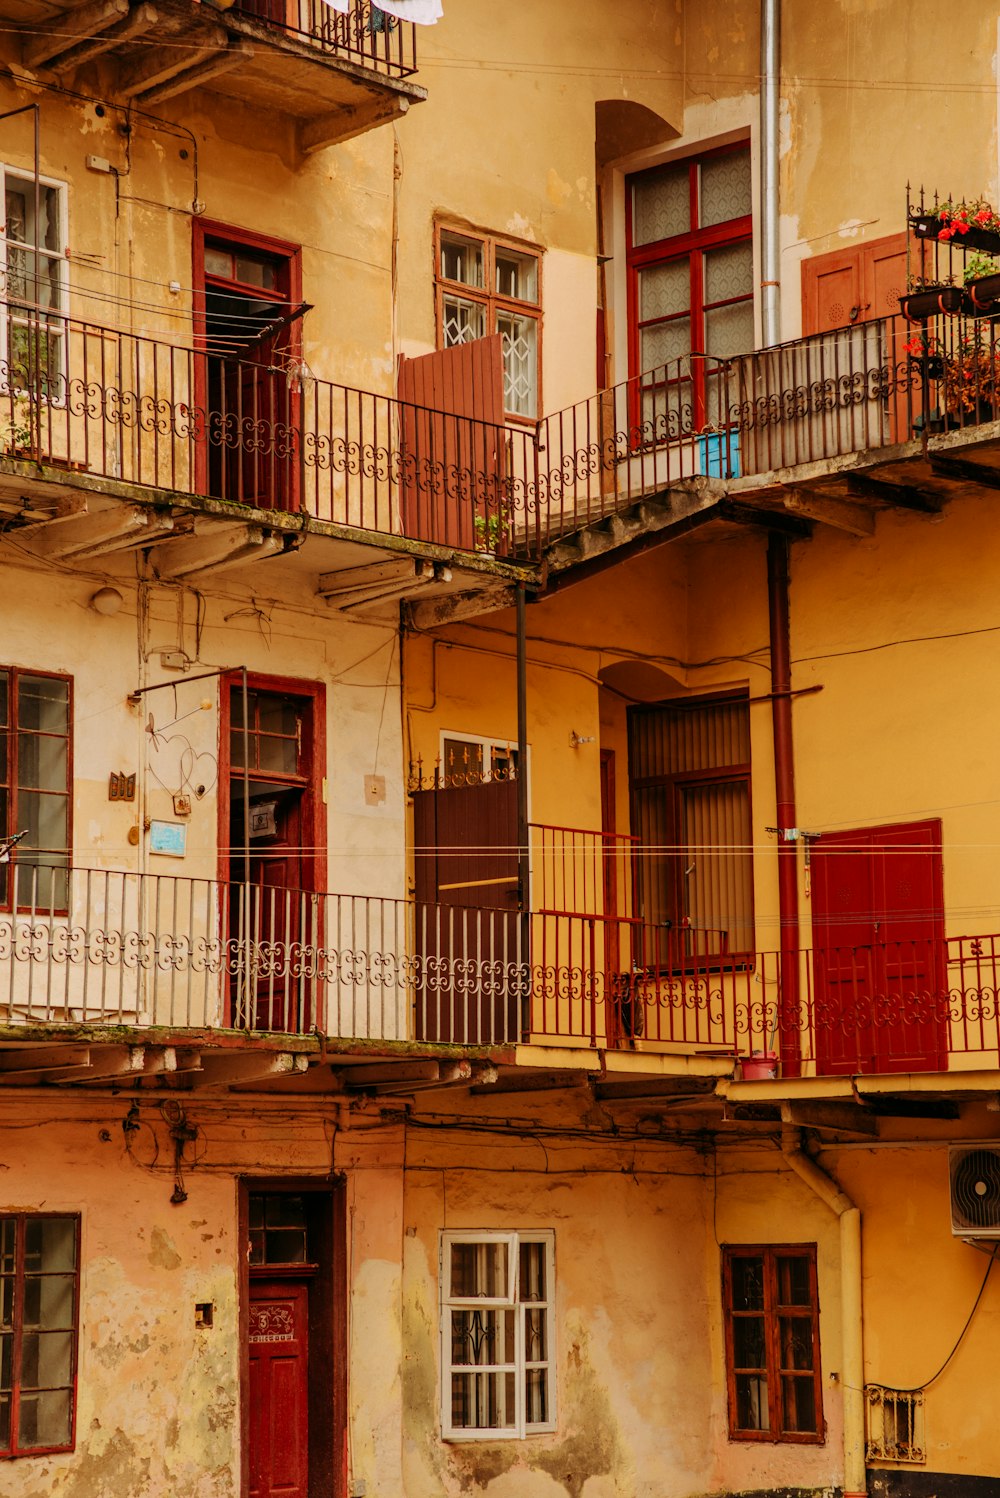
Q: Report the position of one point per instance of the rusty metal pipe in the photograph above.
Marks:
(784, 789)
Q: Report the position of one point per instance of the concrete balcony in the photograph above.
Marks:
(334, 74)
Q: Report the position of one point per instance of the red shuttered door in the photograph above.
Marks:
(878, 936)
(279, 1438)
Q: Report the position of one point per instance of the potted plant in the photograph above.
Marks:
(927, 298)
(974, 225)
(982, 278)
(972, 379)
(491, 530)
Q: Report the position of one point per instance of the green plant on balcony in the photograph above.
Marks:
(972, 378)
(18, 438)
(490, 530)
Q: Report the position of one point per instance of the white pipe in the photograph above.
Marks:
(852, 1372)
(770, 63)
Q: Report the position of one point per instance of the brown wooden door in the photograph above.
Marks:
(467, 936)
(452, 434)
(850, 286)
(879, 950)
(279, 1389)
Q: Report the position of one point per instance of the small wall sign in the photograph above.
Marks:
(262, 819)
(121, 787)
(168, 838)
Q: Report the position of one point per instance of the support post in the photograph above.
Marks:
(523, 857)
(784, 786)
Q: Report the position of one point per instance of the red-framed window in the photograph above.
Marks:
(39, 1324)
(771, 1306)
(36, 715)
(689, 233)
(689, 782)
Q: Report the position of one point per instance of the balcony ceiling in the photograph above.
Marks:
(162, 49)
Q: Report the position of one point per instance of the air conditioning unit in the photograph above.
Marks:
(975, 1191)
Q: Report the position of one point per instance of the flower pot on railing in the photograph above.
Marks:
(972, 236)
(985, 293)
(918, 306)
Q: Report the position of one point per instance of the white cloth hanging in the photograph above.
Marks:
(344, 6)
(424, 12)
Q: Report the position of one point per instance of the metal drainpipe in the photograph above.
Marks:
(784, 789)
(852, 1372)
(770, 53)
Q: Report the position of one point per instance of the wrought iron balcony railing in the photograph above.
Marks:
(152, 951)
(363, 34)
(263, 432)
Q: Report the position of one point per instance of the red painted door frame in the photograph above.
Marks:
(291, 344)
(879, 950)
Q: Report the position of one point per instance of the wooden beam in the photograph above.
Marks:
(237, 52)
(96, 533)
(141, 18)
(960, 468)
(71, 27)
(344, 124)
(843, 1118)
(164, 62)
(56, 1057)
(356, 587)
(903, 496)
(448, 608)
(211, 545)
(374, 1075)
(770, 520)
(225, 1069)
(824, 508)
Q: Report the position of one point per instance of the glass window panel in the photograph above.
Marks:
(463, 759)
(794, 1281)
(277, 715)
(751, 1402)
(532, 1272)
(218, 262)
(536, 1396)
(517, 275)
(483, 1401)
(661, 203)
(748, 1283)
(665, 343)
(49, 1300)
(280, 756)
(43, 704)
(45, 1419)
(482, 1335)
(286, 1212)
(480, 1269)
(4, 698)
(729, 272)
(286, 1246)
(49, 1244)
(46, 1359)
(520, 362)
(46, 818)
(535, 1340)
(6, 1360)
(725, 188)
(729, 330)
(718, 883)
(257, 270)
(748, 1342)
(799, 1397)
(4, 1422)
(6, 1301)
(8, 1228)
(795, 1337)
(664, 289)
(42, 881)
(42, 761)
(462, 321)
(461, 259)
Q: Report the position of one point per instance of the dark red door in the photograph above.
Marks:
(879, 950)
(279, 1386)
(467, 934)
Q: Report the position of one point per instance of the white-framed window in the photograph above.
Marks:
(485, 285)
(33, 328)
(468, 759)
(497, 1363)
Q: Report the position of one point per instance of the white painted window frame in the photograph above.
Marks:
(24, 177)
(520, 1367)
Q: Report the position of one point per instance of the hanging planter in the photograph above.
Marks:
(985, 293)
(918, 306)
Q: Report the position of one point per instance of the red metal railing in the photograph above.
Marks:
(364, 34)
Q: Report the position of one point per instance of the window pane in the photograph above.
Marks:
(681, 738)
(728, 272)
(4, 1422)
(664, 289)
(748, 1342)
(49, 1244)
(665, 342)
(43, 704)
(461, 259)
(725, 188)
(41, 880)
(462, 321)
(517, 275)
(660, 203)
(6, 1357)
(482, 1336)
(46, 1359)
(480, 1269)
(795, 1337)
(535, 1340)
(4, 698)
(46, 818)
(483, 1401)
(532, 1272)
(49, 1300)
(729, 330)
(218, 262)
(751, 1402)
(718, 883)
(748, 1283)
(257, 270)
(45, 1419)
(799, 1395)
(794, 1281)
(277, 715)
(6, 1302)
(520, 362)
(536, 1392)
(7, 1231)
(463, 762)
(280, 756)
(42, 761)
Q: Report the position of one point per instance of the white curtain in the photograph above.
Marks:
(424, 12)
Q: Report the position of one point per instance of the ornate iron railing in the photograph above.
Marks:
(363, 34)
(147, 951)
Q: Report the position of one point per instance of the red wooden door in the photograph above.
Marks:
(466, 880)
(879, 950)
(279, 1388)
(452, 432)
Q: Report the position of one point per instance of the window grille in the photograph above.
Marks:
(895, 1421)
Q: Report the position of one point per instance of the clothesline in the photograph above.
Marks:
(424, 12)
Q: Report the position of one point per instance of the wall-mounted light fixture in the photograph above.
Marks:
(106, 601)
(576, 739)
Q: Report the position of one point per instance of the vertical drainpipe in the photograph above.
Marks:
(784, 790)
(770, 36)
(523, 862)
(852, 1365)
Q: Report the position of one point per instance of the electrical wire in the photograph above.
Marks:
(919, 1388)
